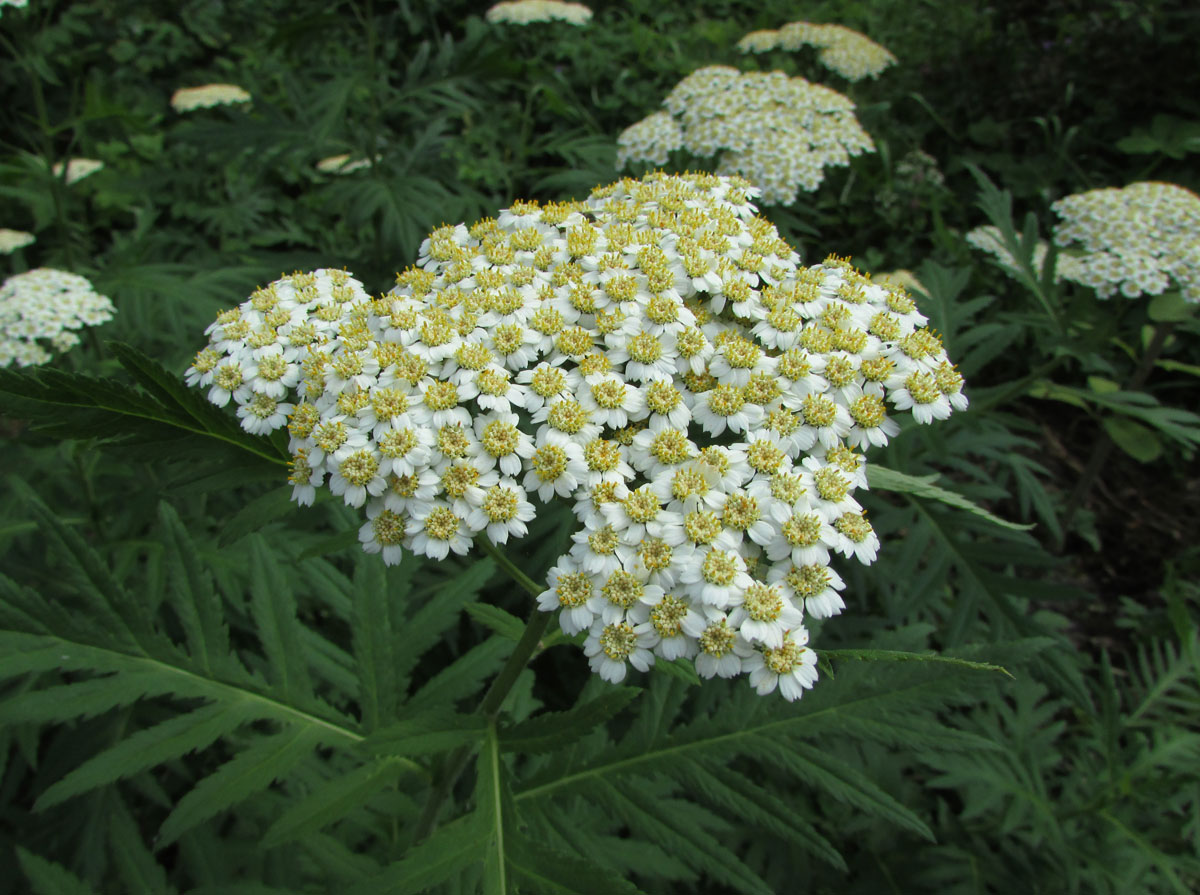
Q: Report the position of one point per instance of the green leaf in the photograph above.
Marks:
(274, 609)
(680, 669)
(493, 807)
(503, 623)
(1170, 307)
(429, 732)
(843, 782)
(1133, 438)
(48, 878)
(147, 748)
(887, 655)
(248, 773)
(884, 479)
(331, 801)
(257, 514)
(554, 730)
(373, 638)
(136, 865)
(449, 850)
(1102, 386)
(548, 871)
(426, 625)
(192, 596)
(1178, 367)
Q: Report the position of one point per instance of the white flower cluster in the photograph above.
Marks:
(39, 311)
(657, 356)
(652, 140)
(11, 240)
(778, 132)
(342, 164)
(186, 99)
(988, 239)
(1141, 239)
(845, 51)
(525, 12)
(77, 169)
(16, 4)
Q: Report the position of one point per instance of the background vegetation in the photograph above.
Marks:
(209, 689)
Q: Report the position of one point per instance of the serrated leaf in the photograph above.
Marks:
(331, 801)
(136, 865)
(373, 640)
(450, 849)
(249, 772)
(843, 782)
(274, 609)
(503, 623)
(553, 730)
(883, 655)
(429, 732)
(192, 595)
(548, 871)
(258, 513)
(884, 479)
(427, 624)
(48, 878)
(147, 748)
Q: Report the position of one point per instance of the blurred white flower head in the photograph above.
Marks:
(843, 50)
(187, 99)
(11, 240)
(40, 312)
(525, 12)
(779, 133)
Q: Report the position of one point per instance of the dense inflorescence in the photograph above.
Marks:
(40, 311)
(1141, 239)
(780, 133)
(525, 12)
(343, 164)
(186, 99)
(843, 50)
(657, 356)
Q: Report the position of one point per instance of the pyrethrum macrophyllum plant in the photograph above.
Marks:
(657, 356)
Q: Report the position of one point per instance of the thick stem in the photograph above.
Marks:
(1104, 445)
(493, 699)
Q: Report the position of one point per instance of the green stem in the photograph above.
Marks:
(1103, 448)
(494, 698)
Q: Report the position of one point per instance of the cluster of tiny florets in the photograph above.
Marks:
(525, 12)
(11, 240)
(1142, 239)
(657, 356)
(843, 50)
(187, 99)
(780, 133)
(40, 311)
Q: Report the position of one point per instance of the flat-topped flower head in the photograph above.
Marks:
(1140, 240)
(526, 12)
(187, 99)
(778, 132)
(41, 312)
(843, 50)
(628, 355)
(76, 169)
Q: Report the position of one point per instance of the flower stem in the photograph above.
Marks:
(493, 699)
